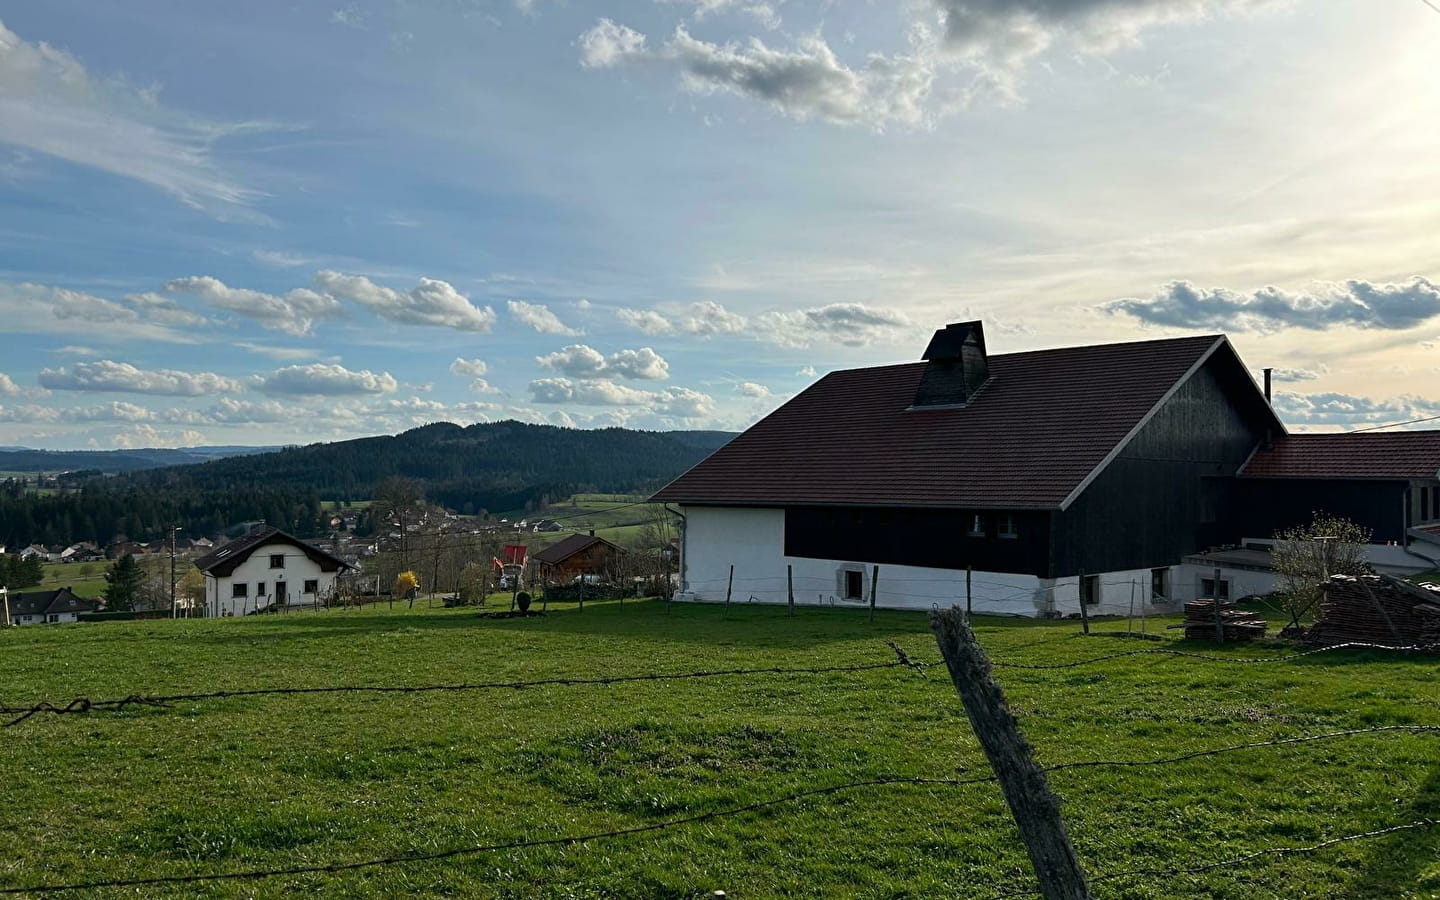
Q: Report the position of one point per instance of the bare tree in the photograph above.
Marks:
(1305, 556)
(399, 503)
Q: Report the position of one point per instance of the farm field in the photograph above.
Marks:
(228, 785)
(85, 579)
(581, 512)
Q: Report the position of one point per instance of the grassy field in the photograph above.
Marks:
(602, 512)
(264, 782)
(85, 579)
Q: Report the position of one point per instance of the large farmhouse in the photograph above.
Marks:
(265, 569)
(1036, 478)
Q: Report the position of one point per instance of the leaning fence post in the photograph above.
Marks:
(1219, 622)
(728, 585)
(874, 580)
(967, 592)
(790, 586)
(1084, 613)
(1036, 810)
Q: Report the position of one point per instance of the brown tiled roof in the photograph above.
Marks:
(1043, 423)
(224, 559)
(557, 553)
(1366, 455)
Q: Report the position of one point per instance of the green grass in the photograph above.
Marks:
(242, 783)
(85, 579)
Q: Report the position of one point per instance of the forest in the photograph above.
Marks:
(499, 466)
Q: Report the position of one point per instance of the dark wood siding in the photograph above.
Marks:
(1266, 505)
(1169, 491)
(935, 538)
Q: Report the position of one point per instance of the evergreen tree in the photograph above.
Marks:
(123, 580)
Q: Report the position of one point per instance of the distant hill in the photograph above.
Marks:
(493, 466)
(23, 459)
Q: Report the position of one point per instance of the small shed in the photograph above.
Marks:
(576, 556)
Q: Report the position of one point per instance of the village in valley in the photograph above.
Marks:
(704, 449)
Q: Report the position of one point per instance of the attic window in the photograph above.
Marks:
(277, 560)
(1007, 526)
(977, 525)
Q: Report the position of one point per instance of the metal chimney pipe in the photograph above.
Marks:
(1267, 384)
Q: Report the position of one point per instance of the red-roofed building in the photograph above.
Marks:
(1052, 474)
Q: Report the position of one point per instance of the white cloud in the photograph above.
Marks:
(708, 318)
(67, 304)
(319, 379)
(599, 392)
(539, 317)
(646, 321)
(294, 312)
(51, 104)
(1333, 408)
(137, 436)
(849, 324)
(431, 302)
(469, 368)
(683, 403)
(581, 361)
(166, 311)
(806, 371)
(808, 82)
(751, 389)
(9, 388)
(108, 375)
(1349, 304)
(282, 259)
(276, 352)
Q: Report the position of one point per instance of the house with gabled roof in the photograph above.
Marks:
(577, 556)
(267, 569)
(1051, 476)
(46, 607)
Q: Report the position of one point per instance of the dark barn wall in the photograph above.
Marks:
(935, 538)
(1266, 505)
(1168, 492)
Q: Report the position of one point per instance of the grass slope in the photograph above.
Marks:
(241, 783)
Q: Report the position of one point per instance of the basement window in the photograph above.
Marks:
(277, 560)
(239, 589)
(1090, 590)
(1007, 526)
(312, 586)
(1210, 590)
(1159, 585)
(852, 583)
(977, 525)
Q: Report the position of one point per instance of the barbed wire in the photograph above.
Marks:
(880, 781)
(82, 705)
(1242, 660)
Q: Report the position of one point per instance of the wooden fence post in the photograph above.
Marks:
(967, 592)
(1219, 622)
(790, 586)
(1084, 612)
(728, 585)
(874, 581)
(1036, 810)
(1130, 619)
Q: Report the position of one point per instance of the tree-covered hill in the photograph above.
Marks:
(492, 466)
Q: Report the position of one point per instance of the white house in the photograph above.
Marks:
(45, 607)
(266, 568)
(1030, 482)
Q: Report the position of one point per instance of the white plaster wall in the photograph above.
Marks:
(298, 569)
(753, 540)
(1243, 582)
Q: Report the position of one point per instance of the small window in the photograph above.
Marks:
(977, 525)
(312, 586)
(1209, 590)
(1090, 590)
(1007, 526)
(854, 584)
(1159, 585)
(277, 560)
(259, 588)
(240, 589)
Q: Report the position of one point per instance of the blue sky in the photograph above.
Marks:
(278, 222)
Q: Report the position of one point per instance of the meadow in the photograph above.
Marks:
(227, 785)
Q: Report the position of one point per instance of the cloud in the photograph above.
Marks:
(806, 371)
(807, 82)
(473, 369)
(1333, 408)
(751, 389)
(166, 311)
(539, 317)
(280, 353)
(9, 388)
(294, 312)
(431, 302)
(1283, 374)
(761, 12)
(282, 259)
(1000, 37)
(137, 436)
(319, 379)
(683, 403)
(850, 324)
(581, 361)
(646, 321)
(107, 375)
(67, 304)
(50, 103)
(598, 392)
(1358, 304)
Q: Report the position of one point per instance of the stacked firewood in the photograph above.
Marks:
(1377, 609)
(1235, 623)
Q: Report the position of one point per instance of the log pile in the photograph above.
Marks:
(1236, 624)
(1377, 609)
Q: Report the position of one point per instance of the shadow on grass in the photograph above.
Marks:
(1406, 860)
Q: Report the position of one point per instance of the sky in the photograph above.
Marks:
(286, 222)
